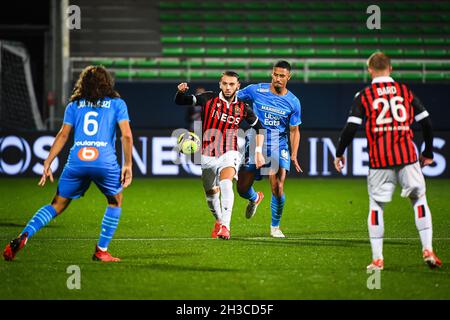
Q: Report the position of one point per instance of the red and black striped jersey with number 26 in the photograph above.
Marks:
(389, 109)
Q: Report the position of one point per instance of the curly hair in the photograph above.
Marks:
(94, 83)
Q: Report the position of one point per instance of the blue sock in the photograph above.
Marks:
(109, 225)
(277, 205)
(42, 217)
(250, 194)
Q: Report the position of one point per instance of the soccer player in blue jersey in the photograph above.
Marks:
(279, 111)
(94, 111)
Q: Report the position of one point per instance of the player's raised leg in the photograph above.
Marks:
(375, 223)
(40, 219)
(277, 202)
(227, 199)
(246, 191)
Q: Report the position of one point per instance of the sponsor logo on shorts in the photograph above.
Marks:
(284, 154)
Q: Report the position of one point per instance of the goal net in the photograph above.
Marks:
(18, 105)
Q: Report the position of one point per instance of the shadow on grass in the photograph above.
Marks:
(176, 267)
(317, 242)
(161, 255)
(11, 225)
(21, 225)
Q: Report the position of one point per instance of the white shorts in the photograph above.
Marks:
(212, 166)
(382, 182)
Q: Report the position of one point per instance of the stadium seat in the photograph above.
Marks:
(258, 40)
(215, 51)
(280, 40)
(214, 40)
(260, 51)
(147, 74)
(238, 51)
(303, 52)
(145, 64)
(236, 64)
(259, 74)
(194, 51)
(123, 74)
(170, 51)
(345, 40)
(218, 64)
(260, 64)
(283, 52)
(437, 65)
(171, 39)
(407, 65)
(236, 40)
(302, 40)
(122, 63)
(405, 76)
(435, 41)
(435, 76)
(172, 74)
(436, 52)
(104, 62)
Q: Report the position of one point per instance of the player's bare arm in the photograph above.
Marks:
(59, 143)
(127, 145)
(295, 142)
(259, 158)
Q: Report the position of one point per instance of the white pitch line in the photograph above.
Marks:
(237, 238)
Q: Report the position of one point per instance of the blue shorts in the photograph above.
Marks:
(277, 157)
(74, 181)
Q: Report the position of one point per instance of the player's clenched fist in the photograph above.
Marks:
(183, 87)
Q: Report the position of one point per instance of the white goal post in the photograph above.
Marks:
(18, 105)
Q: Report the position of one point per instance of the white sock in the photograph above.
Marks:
(226, 189)
(214, 205)
(375, 222)
(422, 215)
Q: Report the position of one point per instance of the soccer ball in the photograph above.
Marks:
(188, 143)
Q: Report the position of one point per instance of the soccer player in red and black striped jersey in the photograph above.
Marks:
(389, 108)
(222, 115)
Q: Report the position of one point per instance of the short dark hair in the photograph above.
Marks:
(379, 61)
(283, 64)
(230, 73)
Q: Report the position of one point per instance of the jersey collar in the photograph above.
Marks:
(382, 79)
(221, 97)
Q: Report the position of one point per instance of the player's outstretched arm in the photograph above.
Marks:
(127, 146)
(295, 142)
(60, 141)
(181, 98)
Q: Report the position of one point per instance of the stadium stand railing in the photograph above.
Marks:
(305, 70)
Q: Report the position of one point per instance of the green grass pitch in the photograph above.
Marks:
(163, 240)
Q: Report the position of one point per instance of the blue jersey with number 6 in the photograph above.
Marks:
(95, 131)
